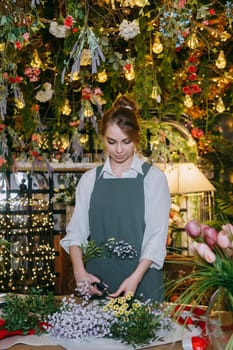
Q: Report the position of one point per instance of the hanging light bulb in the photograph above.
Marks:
(102, 76)
(129, 71)
(155, 94)
(19, 103)
(2, 46)
(188, 102)
(87, 109)
(157, 45)
(66, 110)
(75, 76)
(36, 61)
(221, 61)
(193, 41)
(141, 3)
(220, 107)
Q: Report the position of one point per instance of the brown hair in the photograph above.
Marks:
(123, 113)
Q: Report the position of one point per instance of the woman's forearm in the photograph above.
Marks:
(141, 269)
(76, 257)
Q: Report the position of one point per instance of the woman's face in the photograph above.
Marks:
(119, 146)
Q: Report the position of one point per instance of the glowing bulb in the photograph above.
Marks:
(19, 104)
(157, 45)
(221, 61)
(102, 76)
(36, 61)
(220, 107)
(155, 94)
(75, 76)
(193, 41)
(2, 46)
(130, 74)
(141, 3)
(188, 102)
(66, 110)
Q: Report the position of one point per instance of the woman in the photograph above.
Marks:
(126, 199)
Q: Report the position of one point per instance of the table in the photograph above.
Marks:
(175, 346)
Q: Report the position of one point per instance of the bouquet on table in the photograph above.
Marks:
(212, 275)
(127, 319)
(123, 318)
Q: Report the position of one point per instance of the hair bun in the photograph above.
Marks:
(125, 102)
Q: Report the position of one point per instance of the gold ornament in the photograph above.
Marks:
(66, 110)
(220, 107)
(221, 61)
(188, 102)
(193, 41)
(102, 76)
(157, 47)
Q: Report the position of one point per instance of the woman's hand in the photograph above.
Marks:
(130, 284)
(86, 284)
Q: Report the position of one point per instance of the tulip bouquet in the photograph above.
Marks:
(212, 266)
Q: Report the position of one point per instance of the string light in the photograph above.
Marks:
(30, 260)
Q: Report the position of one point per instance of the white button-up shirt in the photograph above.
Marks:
(157, 207)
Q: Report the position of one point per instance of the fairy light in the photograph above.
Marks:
(30, 263)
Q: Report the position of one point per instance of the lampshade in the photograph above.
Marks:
(185, 178)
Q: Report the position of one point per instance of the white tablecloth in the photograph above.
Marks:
(173, 336)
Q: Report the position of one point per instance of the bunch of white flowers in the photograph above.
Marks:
(80, 321)
(129, 30)
(58, 30)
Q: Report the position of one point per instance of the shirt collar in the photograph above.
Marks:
(135, 165)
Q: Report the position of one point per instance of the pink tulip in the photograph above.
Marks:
(228, 228)
(205, 252)
(210, 236)
(193, 228)
(223, 240)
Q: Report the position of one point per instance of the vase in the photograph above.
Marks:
(219, 320)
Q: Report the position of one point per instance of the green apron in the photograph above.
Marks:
(117, 209)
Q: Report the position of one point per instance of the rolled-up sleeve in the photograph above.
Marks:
(77, 230)
(157, 207)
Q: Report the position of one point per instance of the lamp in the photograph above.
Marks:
(184, 178)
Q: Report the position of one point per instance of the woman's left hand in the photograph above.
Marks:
(128, 285)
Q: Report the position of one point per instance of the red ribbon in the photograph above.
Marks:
(195, 317)
(43, 326)
(200, 343)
